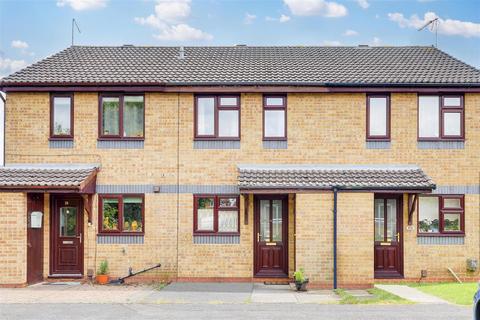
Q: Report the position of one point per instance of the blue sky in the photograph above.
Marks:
(32, 30)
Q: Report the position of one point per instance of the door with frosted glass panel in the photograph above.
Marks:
(67, 237)
(271, 244)
(388, 236)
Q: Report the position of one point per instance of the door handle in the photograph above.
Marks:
(258, 236)
(398, 236)
(29, 244)
(80, 237)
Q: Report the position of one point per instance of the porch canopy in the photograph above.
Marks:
(309, 178)
(58, 178)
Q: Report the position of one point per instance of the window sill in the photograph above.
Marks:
(120, 233)
(434, 235)
(60, 139)
(441, 140)
(197, 233)
(275, 139)
(120, 139)
(216, 139)
(377, 140)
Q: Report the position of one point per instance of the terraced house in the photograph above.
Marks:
(357, 164)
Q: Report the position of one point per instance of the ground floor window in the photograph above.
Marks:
(121, 214)
(443, 214)
(216, 214)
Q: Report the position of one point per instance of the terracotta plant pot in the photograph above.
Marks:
(102, 279)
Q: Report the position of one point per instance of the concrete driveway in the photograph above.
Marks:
(202, 301)
(280, 311)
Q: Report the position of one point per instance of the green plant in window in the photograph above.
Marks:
(426, 225)
(132, 215)
(451, 224)
(110, 216)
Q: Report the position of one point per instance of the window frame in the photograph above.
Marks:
(216, 119)
(120, 198)
(442, 110)
(216, 208)
(120, 96)
(387, 136)
(52, 116)
(441, 211)
(283, 107)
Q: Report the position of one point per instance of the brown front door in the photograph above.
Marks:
(271, 232)
(388, 236)
(67, 237)
(34, 237)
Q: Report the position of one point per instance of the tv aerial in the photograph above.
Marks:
(433, 24)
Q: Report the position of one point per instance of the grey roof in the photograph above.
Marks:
(378, 177)
(246, 65)
(52, 175)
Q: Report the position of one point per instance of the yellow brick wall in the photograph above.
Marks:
(13, 238)
(437, 258)
(322, 128)
(314, 247)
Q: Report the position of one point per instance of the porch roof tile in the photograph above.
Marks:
(374, 177)
(61, 176)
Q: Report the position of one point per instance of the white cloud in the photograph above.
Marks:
(323, 8)
(283, 18)
(331, 43)
(19, 44)
(445, 26)
(363, 3)
(376, 41)
(80, 5)
(349, 33)
(22, 46)
(249, 18)
(168, 21)
(182, 32)
(8, 66)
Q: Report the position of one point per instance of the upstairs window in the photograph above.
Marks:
(441, 214)
(216, 214)
(274, 117)
(217, 117)
(122, 116)
(378, 117)
(61, 116)
(121, 214)
(441, 117)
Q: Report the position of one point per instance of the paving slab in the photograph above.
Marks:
(359, 293)
(411, 294)
(317, 296)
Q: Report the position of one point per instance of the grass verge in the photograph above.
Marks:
(378, 297)
(458, 293)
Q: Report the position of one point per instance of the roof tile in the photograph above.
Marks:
(248, 66)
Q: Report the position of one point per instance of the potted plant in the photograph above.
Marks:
(300, 280)
(102, 273)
